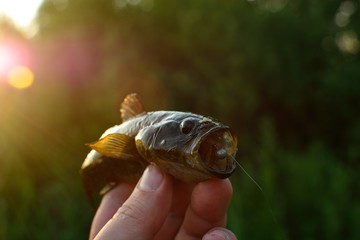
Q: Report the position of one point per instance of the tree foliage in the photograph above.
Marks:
(283, 74)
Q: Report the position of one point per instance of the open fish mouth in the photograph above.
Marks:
(217, 151)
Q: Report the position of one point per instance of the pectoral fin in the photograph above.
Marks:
(116, 145)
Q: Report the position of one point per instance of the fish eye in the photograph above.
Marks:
(187, 125)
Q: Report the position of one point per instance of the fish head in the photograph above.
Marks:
(190, 145)
(213, 147)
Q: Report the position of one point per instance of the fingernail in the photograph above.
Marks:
(217, 234)
(151, 179)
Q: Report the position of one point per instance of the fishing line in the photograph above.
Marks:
(252, 179)
(264, 195)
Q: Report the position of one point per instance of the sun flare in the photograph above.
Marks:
(7, 59)
(15, 64)
(20, 77)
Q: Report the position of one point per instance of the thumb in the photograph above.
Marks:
(143, 213)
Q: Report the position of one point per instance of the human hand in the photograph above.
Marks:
(159, 207)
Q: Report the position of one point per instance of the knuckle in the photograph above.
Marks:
(131, 212)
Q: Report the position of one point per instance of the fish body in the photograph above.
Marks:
(188, 146)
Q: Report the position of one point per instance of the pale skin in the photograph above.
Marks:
(159, 207)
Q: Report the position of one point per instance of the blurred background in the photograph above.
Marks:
(284, 74)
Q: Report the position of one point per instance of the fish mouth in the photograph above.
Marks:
(217, 151)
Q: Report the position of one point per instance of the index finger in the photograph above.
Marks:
(209, 203)
(110, 203)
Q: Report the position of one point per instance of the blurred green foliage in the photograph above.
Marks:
(284, 74)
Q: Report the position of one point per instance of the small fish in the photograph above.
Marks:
(188, 146)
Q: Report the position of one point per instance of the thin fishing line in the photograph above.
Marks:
(265, 196)
(252, 179)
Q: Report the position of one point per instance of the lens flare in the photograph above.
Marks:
(20, 77)
(7, 59)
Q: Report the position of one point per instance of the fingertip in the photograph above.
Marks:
(212, 194)
(219, 234)
(151, 179)
(208, 206)
(215, 185)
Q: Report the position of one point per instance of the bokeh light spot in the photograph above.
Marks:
(20, 77)
(348, 42)
(346, 10)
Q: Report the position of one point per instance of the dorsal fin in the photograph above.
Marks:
(132, 106)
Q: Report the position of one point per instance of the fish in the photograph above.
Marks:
(188, 146)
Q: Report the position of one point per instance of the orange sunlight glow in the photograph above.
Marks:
(15, 61)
